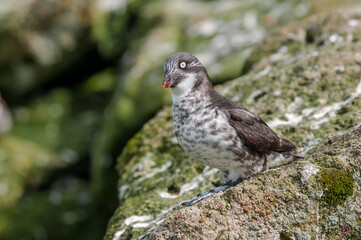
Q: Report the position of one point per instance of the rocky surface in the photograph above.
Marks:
(305, 82)
(291, 202)
(80, 77)
(220, 34)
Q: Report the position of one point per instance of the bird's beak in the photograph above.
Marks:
(167, 81)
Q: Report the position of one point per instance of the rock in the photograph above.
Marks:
(45, 43)
(277, 201)
(220, 34)
(292, 86)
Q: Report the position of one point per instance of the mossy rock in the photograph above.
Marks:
(147, 33)
(336, 184)
(301, 92)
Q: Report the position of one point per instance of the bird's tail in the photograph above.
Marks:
(277, 159)
(297, 154)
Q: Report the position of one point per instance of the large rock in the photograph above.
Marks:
(306, 84)
(44, 158)
(220, 34)
(319, 196)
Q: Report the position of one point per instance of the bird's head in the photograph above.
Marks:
(182, 72)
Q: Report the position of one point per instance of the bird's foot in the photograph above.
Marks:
(202, 196)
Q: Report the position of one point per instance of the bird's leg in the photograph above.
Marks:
(202, 196)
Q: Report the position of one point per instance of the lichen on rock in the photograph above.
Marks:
(274, 204)
(336, 184)
(309, 92)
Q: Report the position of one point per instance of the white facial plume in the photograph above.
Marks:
(184, 87)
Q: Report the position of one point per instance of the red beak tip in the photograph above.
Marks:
(167, 84)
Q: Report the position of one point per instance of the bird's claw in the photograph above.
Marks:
(202, 196)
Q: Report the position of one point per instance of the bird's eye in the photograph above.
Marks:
(182, 65)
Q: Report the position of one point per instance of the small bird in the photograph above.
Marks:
(217, 132)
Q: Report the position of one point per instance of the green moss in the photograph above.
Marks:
(294, 47)
(129, 151)
(336, 184)
(285, 236)
(228, 196)
(289, 87)
(199, 167)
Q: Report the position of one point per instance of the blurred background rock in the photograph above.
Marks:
(78, 78)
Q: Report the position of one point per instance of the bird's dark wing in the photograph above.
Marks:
(255, 133)
(252, 130)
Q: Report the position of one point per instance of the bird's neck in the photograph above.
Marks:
(198, 94)
(194, 87)
(184, 88)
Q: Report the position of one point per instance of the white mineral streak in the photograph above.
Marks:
(155, 222)
(134, 219)
(320, 114)
(141, 225)
(167, 195)
(155, 171)
(122, 190)
(118, 234)
(143, 168)
(144, 165)
(319, 123)
(333, 38)
(143, 222)
(262, 73)
(291, 119)
(196, 181)
(339, 69)
(254, 95)
(308, 170)
(358, 91)
(281, 54)
(193, 184)
(301, 55)
(353, 22)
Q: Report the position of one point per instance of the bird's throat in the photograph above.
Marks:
(183, 87)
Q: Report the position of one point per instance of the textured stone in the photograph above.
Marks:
(220, 34)
(306, 101)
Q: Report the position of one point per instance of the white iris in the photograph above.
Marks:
(182, 64)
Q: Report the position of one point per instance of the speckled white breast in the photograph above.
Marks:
(206, 135)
